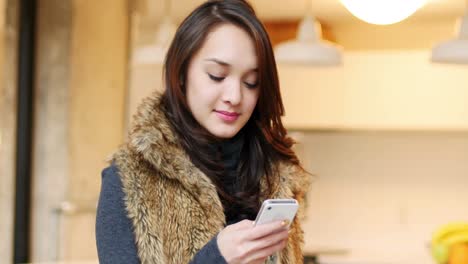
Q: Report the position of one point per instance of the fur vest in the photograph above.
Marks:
(174, 207)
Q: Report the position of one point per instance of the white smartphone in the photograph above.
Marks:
(277, 209)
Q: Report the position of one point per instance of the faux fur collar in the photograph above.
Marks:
(153, 137)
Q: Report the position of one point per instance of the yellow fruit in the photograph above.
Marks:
(447, 230)
(458, 254)
(445, 238)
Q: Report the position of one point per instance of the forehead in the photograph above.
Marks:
(230, 44)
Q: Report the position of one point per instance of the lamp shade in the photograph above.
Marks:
(456, 50)
(382, 12)
(309, 48)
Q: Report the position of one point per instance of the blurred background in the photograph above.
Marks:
(379, 112)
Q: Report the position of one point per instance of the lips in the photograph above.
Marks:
(228, 113)
(227, 116)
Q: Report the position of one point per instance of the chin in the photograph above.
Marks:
(225, 134)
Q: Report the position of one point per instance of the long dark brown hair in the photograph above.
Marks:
(265, 137)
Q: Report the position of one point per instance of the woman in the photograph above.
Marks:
(202, 156)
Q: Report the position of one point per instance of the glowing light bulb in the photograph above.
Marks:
(382, 12)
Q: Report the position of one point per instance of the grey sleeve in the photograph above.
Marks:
(115, 240)
(209, 254)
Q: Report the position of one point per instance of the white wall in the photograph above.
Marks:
(382, 194)
(143, 80)
(98, 80)
(398, 90)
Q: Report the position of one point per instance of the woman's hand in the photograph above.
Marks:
(244, 243)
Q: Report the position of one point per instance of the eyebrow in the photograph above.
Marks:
(225, 64)
(220, 62)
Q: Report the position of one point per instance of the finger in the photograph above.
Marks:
(260, 231)
(268, 241)
(262, 254)
(243, 224)
(254, 246)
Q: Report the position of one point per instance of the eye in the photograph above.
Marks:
(251, 85)
(215, 78)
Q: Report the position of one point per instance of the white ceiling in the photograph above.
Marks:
(330, 12)
(432, 23)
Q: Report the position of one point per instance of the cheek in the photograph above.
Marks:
(202, 98)
(251, 99)
(195, 88)
(200, 87)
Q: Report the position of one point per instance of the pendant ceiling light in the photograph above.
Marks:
(156, 52)
(382, 12)
(309, 48)
(456, 50)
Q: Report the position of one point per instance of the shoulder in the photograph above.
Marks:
(111, 197)
(111, 182)
(111, 213)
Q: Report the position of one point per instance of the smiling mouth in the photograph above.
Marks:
(227, 116)
(228, 113)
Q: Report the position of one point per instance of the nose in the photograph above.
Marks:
(232, 92)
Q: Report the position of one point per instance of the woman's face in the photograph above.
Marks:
(222, 82)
